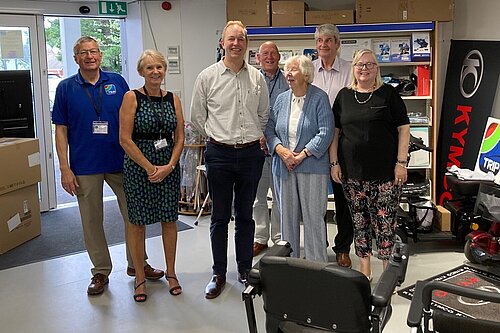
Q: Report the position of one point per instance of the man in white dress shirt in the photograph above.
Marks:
(230, 107)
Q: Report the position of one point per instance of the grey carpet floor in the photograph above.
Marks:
(62, 235)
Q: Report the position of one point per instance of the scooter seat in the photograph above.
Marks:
(466, 188)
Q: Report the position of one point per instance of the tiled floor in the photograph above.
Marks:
(50, 296)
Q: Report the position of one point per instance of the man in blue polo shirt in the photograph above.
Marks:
(86, 115)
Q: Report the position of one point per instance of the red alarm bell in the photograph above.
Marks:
(166, 5)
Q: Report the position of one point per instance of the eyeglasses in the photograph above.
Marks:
(368, 65)
(83, 53)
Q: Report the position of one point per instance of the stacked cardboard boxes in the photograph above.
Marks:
(288, 13)
(265, 13)
(19, 203)
(253, 13)
(316, 17)
(382, 11)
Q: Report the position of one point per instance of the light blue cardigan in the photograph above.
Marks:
(314, 131)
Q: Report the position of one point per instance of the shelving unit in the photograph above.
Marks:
(421, 107)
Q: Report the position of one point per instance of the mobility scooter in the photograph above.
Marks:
(482, 245)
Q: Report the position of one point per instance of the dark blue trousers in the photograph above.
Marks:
(232, 170)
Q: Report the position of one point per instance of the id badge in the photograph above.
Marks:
(99, 127)
(160, 144)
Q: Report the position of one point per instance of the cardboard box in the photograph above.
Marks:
(430, 10)
(254, 13)
(19, 217)
(443, 220)
(381, 11)
(20, 163)
(288, 13)
(315, 17)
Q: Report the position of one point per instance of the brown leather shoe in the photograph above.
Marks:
(215, 286)
(258, 248)
(344, 260)
(150, 272)
(96, 286)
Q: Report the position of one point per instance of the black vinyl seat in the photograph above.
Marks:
(306, 296)
(424, 319)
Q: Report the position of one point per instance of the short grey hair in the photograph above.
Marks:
(84, 39)
(154, 54)
(327, 29)
(305, 65)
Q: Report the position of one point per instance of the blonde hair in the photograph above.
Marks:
(157, 55)
(238, 23)
(357, 56)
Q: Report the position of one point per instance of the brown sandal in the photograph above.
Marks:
(139, 298)
(173, 290)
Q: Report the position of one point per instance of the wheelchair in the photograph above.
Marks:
(306, 296)
(421, 318)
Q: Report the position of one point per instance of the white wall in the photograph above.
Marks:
(477, 19)
(190, 24)
(201, 20)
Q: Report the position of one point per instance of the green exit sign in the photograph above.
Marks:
(113, 8)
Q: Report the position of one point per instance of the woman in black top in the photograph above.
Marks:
(369, 156)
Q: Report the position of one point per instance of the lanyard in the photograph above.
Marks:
(158, 118)
(98, 107)
(274, 84)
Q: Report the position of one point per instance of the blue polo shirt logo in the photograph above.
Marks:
(110, 89)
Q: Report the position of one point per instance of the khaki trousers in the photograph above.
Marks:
(90, 203)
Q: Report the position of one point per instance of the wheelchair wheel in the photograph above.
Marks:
(470, 254)
(401, 236)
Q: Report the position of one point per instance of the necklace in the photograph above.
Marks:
(362, 102)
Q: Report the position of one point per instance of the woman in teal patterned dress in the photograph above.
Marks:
(152, 135)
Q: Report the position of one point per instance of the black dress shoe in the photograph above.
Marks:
(243, 278)
(215, 286)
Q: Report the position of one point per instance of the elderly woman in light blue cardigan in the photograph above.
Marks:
(299, 132)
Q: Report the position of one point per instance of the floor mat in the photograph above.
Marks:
(62, 235)
(466, 276)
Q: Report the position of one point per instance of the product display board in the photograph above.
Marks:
(404, 51)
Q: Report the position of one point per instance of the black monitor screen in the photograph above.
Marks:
(16, 104)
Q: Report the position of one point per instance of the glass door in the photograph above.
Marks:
(22, 50)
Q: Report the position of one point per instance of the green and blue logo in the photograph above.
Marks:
(489, 155)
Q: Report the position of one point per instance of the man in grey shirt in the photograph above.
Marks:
(268, 58)
(230, 107)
